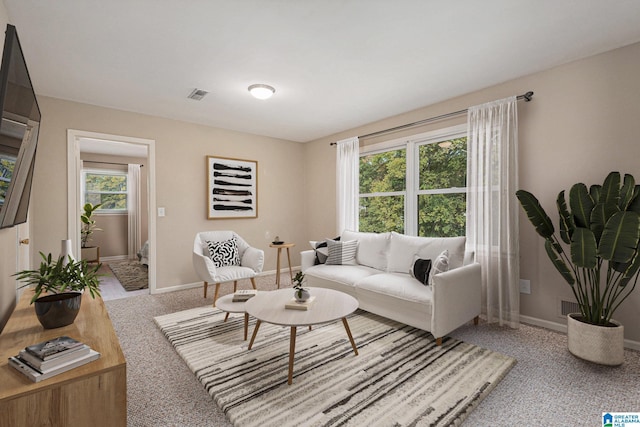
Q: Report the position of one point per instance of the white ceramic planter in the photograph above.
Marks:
(599, 344)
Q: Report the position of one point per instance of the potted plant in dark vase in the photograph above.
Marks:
(597, 255)
(63, 281)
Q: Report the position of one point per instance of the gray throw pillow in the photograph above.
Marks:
(342, 253)
(440, 265)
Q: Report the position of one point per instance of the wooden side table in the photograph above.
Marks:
(280, 247)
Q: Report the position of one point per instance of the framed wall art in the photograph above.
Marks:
(232, 190)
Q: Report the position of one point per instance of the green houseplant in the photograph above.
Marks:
(63, 281)
(596, 251)
(88, 223)
(300, 293)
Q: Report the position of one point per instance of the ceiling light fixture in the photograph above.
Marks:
(261, 91)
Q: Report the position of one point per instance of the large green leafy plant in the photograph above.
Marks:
(601, 227)
(58, 276)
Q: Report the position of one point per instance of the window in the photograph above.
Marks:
(442, 177)
(416, 186)
(382, 191)
(107, 187)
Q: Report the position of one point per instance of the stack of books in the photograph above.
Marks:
(294, 304)
(46, 359)
(244, 294)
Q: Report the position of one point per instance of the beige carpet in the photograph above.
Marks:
(400, 376)
(548, 386)
(131, 274)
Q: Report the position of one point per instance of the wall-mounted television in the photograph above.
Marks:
(19, 127)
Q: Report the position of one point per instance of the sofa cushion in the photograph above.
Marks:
(342, 253)
(372, 248)
(403, 249)
(398, 285)
(440, 265)
(344, 274)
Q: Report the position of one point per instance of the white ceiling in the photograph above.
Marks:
(335, 64)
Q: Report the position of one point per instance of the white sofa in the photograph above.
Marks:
(380, 280)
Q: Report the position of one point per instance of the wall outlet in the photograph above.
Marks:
(525, 286)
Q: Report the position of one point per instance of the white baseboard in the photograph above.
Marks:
(176, 288)
(113, 258)
(559, 327)
(199, 284)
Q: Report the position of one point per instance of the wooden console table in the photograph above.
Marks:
(94, 394)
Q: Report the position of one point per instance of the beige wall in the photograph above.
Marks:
(583, 122)
(181, 149)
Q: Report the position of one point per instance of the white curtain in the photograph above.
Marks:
(348, 184)
(492, 207)
(133, 206)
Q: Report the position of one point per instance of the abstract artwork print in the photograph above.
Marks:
(232, 190)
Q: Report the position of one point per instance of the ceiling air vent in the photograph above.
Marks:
(197, 94)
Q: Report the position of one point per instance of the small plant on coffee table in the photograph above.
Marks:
(298, 280)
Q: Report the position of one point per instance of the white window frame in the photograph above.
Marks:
(112, 172)
(411, 144)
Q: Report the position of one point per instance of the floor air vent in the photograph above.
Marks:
(567, 307)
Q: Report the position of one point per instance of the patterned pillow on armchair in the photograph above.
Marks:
(224, 253)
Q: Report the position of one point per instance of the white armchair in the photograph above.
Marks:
(251, 261)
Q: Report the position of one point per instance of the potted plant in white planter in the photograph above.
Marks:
(63, 281)
(597, 255)
(300, 292)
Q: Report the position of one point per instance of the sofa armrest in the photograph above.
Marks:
(307, 259)
(457, 298)
(253, 258)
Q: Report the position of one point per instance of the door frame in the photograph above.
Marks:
(74, 169)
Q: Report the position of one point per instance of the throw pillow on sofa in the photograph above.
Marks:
(342, 253)
(420, 270)
(224, 253)
(321, 250)
(440, 265)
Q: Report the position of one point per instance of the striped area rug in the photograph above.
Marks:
(399, 378)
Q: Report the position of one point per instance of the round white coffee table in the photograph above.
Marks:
(227, 305)
(328, 306)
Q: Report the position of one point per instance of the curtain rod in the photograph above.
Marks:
(527, 97)
(108, 163)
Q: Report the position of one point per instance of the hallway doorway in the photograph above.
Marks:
(119, 173)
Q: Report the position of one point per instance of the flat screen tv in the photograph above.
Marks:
(18, 132)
